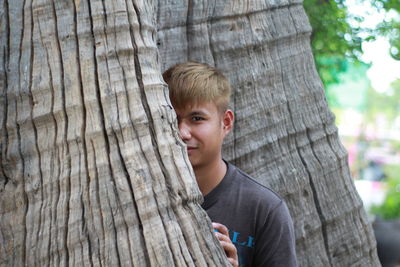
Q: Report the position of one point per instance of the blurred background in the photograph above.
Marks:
(356, 45)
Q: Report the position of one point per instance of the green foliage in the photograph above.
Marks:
(335, 40)
(390, 27)
(390, 209)
(383, 103)
(332, 34)
(351, 90)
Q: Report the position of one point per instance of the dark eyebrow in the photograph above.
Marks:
(196, 112)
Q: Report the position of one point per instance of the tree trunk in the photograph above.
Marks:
(284, 133)
(92, 171)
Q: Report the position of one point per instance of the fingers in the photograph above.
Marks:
(234, 262)
(220, 228)
(223, 236)
(229, 248)
(227, 244)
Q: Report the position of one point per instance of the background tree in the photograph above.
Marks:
(92, 169)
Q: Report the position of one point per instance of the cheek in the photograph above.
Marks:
(210, 134)
(205, 136)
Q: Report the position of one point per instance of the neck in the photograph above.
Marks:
(209, 176)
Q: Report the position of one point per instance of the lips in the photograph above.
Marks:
(190, 149)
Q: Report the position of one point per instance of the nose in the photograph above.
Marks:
(184, 131)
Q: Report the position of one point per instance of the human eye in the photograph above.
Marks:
(197, 118)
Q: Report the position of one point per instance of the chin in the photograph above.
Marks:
(194, 163)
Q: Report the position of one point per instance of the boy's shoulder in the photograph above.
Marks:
(252, 189)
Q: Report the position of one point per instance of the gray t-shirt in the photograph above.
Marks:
(258, 220)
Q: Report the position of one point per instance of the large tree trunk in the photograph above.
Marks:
(92, 171)
(284, 133)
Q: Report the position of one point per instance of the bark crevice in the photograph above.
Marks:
(4, 79)
(316, 200)
(105, 135)
(64, 136)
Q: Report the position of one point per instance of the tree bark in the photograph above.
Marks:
(284, 133)
(92, 170)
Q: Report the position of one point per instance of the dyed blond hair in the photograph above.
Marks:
(193, 83)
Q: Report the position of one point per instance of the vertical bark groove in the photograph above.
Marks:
(189, 25)
(31, 107)
(4, 179)
(98, 201)
(26, 200)
(84, 215)
(317, 205)
(64, 140)
(102, 114)
(24, 253)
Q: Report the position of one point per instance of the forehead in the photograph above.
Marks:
(207, 108)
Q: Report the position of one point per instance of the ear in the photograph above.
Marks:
(227, 121)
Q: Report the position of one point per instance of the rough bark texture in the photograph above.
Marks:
(92, 172)
(284, 133)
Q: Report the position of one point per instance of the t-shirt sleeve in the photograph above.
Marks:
(275, 240)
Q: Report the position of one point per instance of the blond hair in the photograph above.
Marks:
(194, 83)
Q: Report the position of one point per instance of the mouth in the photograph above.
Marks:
(190, 148)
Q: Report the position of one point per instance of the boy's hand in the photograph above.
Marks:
(221, 232)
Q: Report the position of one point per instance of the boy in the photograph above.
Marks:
(258, 220)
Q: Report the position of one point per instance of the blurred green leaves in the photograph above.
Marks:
(332, 34)
(337, 37)
(333, 40)
(390, 27)
(386, 103)
(390, 209)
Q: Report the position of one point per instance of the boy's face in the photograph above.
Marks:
(203, 128)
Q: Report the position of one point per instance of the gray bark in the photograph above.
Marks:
(284, 133)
